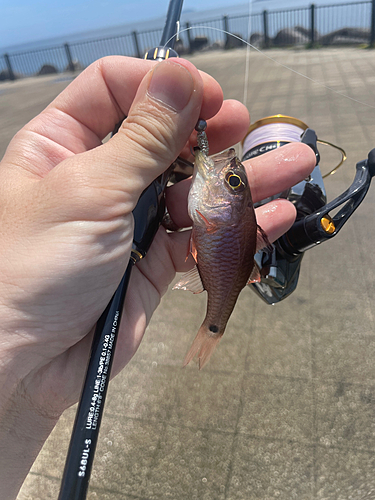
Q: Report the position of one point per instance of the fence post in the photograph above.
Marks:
(226, 28)
(312, 25)
(372, 33)
(188, 34)
(11, 75)
(265, 29)
(136, 45)
(69, 57)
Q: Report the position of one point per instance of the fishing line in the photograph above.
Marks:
(247, 60)
(276, 62)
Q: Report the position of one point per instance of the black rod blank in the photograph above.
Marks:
(90, 410)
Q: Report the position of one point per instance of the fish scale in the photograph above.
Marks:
(224, 270)
(223, 243)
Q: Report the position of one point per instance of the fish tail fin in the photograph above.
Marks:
(203, 346)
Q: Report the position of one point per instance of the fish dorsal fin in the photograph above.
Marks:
(255, 274)
(190, 281)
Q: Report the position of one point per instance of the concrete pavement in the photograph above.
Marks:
(286, 407)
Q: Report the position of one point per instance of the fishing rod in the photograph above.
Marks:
(147, 217)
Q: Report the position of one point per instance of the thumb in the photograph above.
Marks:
(159, 123)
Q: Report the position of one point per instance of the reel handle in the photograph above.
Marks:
(320, 226)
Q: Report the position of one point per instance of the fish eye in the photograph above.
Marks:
(234, 181)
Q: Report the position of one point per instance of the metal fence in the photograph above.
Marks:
(346, 23)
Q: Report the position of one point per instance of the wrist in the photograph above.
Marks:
(28, 410)
(24, 427)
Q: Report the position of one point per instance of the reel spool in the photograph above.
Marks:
(271, 133)
(275, 131)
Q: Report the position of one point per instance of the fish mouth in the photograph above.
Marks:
(207, 164)
(203, 164)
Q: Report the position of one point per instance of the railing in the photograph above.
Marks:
(346, 23)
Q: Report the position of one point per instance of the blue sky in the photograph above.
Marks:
(31, 20)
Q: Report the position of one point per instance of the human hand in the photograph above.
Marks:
(66, 202)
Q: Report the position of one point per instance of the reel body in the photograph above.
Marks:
(280, 268)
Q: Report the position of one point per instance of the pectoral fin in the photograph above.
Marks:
(193, 249)
(190, 281)
(209, 226)
(255, 274)
(262, 240)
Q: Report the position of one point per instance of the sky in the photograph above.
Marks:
(31, 20)
(28, 21)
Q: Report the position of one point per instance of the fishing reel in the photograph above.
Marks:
(280, 268)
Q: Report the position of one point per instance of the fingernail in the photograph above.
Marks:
(172, 84)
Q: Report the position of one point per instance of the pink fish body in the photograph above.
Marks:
(223, 243)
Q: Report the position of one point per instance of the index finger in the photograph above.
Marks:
(268, 175)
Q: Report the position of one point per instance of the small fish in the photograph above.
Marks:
(223, 243)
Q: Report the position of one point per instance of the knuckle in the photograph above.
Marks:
(151, 133)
